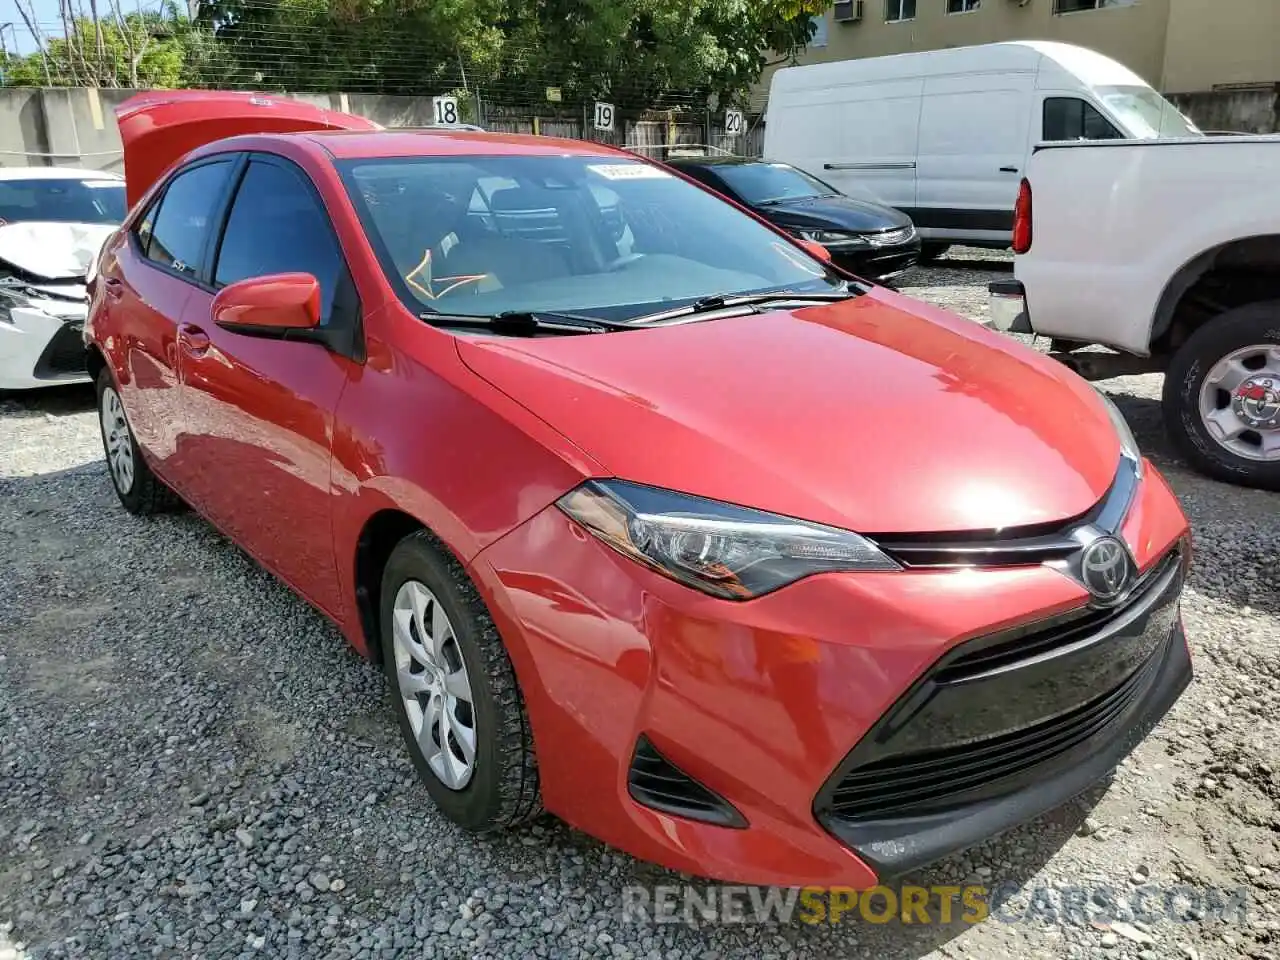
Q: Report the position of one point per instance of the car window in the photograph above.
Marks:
(182, 223)
(146, 224)
(771, 182)
(1070, 118)
(613, 237)
(62, 200)
(278, 226)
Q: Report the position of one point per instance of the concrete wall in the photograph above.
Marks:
(1233, 111)
(77, 127)
(1222, 42)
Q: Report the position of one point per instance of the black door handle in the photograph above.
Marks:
(1008, 169)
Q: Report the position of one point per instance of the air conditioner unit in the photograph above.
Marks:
(848, 11)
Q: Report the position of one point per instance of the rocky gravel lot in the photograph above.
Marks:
(193, 764)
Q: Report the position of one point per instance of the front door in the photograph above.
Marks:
(258, 413)
(974, 132)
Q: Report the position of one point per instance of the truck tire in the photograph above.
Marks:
(1222, 397)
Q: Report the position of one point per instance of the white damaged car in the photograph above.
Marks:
(53, 222)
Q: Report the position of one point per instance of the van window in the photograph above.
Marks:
(1070, 118)
(1145, 113)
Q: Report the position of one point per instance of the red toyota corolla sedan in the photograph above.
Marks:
(654, 519)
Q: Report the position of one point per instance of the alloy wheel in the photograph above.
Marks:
(119, 442)
(432, 681)
(1240, 402)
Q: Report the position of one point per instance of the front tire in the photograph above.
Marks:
(140, 491)
(455, 691)
(1222, 397)
(931, 252)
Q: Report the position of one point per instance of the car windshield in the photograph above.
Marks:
(605, 236)
(62, 200)
(771, 182)
(1145, 114)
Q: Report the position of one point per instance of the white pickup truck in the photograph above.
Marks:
(1168, 253)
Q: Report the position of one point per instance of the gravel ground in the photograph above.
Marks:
(194, 764)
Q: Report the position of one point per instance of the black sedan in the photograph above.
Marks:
(869, 240)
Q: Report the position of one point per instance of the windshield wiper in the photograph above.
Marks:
(527, 322)
(723, 301)
(774, 201)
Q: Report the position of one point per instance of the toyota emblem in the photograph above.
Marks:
(1105, 570)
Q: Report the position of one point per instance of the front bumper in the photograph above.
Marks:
(40, 350)
(1007, 307)
(763, 703)
(878, 263)
(1000, 740)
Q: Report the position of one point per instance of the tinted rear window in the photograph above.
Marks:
(62, 201)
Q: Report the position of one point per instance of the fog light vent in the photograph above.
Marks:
(657, 783)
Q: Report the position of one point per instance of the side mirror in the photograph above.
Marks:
(269, 306)
(817, 250)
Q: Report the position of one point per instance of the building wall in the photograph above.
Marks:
(1134, 33)
(1217, 42)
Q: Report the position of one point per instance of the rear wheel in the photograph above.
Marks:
(929, 252)
(139, 490)
(1222, 397)
(455, 691)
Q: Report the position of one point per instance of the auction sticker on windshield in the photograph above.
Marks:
(628, 171)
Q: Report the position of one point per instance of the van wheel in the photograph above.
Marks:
(929, 252)
(1222, 397)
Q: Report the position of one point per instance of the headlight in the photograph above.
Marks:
(1128, 445)
(723, 550)
(834, 239)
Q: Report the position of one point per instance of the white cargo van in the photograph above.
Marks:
(944, 135)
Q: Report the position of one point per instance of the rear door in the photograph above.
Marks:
(259, 413)
(974, 132)
(146, 284)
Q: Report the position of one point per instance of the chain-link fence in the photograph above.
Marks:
(626, 83)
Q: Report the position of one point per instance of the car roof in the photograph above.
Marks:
(56, 173)
(386, 144)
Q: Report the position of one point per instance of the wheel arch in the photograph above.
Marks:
(95, 362)
(1223, 277)
(378, 537)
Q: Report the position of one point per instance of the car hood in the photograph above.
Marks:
(877, 414)
(835, 213)
(52, 251)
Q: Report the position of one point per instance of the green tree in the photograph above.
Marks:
(137, 50)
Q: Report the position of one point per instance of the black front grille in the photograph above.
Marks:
(656, 782)
(1037, 639)
(64, 355)
(999, 712)
(922, 781)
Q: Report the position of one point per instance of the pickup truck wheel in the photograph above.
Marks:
(1222, 397)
